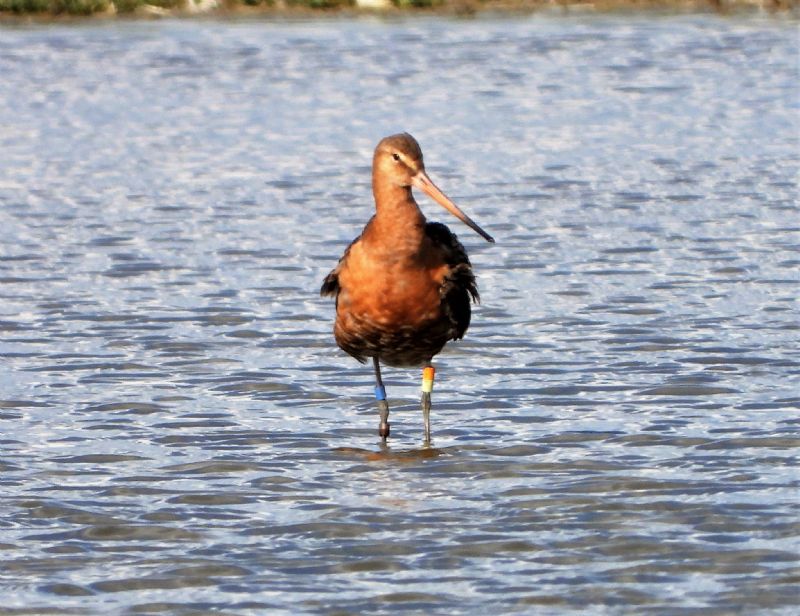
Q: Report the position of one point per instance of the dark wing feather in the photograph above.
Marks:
(459, 285)
(330, 286)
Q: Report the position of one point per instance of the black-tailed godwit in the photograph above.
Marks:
(403, 287)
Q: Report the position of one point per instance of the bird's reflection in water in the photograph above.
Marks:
(386, 453)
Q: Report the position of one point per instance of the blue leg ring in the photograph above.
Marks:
(380, 392)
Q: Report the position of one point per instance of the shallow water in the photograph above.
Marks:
(619, 428)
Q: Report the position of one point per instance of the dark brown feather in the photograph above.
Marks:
(459, 285)
(330, 286)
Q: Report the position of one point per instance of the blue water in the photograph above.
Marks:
(618, 431)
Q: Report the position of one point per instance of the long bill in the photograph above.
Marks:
(423, 182)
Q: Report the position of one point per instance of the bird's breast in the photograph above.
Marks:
(390, 289)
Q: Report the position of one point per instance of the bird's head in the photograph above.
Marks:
(398, 161)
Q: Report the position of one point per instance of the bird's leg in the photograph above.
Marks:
(380, 396)
(427, 387)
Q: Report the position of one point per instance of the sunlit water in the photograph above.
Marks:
(618, 431)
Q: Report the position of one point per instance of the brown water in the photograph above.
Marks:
(618, 431)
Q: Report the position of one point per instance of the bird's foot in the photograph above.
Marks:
(426, 415)
(383, 409)
(383, 428)
(427, 387)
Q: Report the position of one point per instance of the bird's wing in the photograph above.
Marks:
(459, 284)
(330, 286)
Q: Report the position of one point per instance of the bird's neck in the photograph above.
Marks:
(398, 219)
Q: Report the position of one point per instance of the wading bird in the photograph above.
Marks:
(403, 287)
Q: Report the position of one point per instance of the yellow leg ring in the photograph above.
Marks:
(427, 379)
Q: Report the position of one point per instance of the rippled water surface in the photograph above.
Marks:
(618, 431)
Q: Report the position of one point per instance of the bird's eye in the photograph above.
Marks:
(396, 156)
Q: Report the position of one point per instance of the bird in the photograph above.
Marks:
(403, 287)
